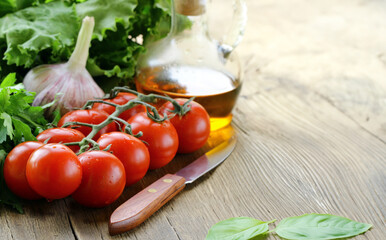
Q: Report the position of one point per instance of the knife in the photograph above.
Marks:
(142, 205)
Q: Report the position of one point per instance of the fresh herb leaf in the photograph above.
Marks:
(8, 81)
(22, 132)
(19, 121)
(7, 123)
(240, 228)
(319, 226)
(56, 118)
(6, 196)
(308, 227)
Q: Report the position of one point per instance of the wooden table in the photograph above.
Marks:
(311, 126)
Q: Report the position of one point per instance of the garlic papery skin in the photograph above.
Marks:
(70, 90)
(40, 77)
(69, 84)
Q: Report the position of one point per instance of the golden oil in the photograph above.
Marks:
(216, 91)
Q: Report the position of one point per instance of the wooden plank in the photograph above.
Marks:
(41, 220)
(92, 223)
(311, 126)
(293, 157)
(333, 48)
(5, 231)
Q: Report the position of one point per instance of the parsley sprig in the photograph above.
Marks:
(19, 122)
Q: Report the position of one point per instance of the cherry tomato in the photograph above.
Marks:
(132, 152)
(88, 116)
(161, 138)
(14, 170)
(54, 171)
(103, 179)
(120, 99)
(61, 135)
(193, 128)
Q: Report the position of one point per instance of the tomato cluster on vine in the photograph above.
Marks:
(97, 151)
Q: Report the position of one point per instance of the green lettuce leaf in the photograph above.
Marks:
(107, 14)
(120, 53)
(35, 32)
(7, 6)
(28, 32)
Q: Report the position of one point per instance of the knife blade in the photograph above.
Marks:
(142, 205)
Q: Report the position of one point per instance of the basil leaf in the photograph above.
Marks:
(319, 226)
(240, 228)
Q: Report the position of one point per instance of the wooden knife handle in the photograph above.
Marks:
(142, 205)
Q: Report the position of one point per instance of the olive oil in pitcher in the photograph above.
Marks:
(188, 63)
(215, 91)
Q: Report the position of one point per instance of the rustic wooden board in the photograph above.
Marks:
(311, 126)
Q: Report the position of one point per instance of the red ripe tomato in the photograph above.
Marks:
(132, 152)
(88, 116)
(193, 128)
(61, 135)
(103, 179)
(161, 138)
(54, 171)
(14, 170)
(121, 99)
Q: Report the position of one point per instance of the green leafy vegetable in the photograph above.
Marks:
(118, 11)
(309, 227)
(7, 6)
(35, 32)
(6, 196)
(19, 121)
(238, 229)
(29, 31)
(319, 226)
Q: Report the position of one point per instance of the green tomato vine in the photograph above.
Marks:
(142, 99)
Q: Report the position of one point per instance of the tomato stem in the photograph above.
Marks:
(67, 124)
(90, 103)
(141, 99)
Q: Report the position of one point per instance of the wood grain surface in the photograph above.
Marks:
(141, 206)
(311, 126)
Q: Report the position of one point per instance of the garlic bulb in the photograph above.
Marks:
(70, 84)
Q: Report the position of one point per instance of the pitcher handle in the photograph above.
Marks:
(236, 32)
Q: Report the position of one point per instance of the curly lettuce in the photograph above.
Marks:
(34, 32)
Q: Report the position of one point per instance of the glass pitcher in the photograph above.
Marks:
(187, 62)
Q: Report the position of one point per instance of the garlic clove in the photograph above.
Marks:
(69, 89)
(71, 80)
(40, 77)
